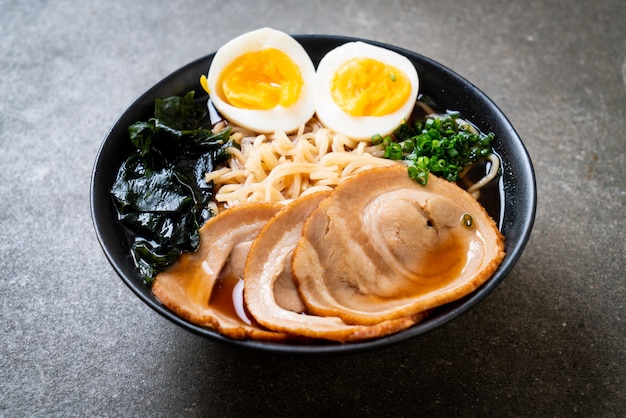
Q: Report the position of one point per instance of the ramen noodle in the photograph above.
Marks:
(280, 168)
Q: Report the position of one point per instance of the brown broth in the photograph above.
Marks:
(227, 298)
(492, 194)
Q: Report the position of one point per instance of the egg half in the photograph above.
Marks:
(363, 89)
(263, 81)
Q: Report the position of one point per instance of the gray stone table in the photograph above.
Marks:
(75, 341)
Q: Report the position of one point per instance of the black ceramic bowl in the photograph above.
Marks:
(445, 87)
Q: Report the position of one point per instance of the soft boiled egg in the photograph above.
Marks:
(263, 81)
(364, 90)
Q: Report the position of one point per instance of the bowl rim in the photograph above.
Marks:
(524, 224)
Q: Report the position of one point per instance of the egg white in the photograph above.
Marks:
(360, 127)
(279, 118)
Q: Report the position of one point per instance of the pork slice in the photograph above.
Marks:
(381, 246)
(202, 287)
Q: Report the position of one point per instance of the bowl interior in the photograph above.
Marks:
(444, 86)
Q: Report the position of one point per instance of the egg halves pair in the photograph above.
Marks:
(265, 81)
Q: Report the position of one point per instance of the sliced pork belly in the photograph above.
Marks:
(382, 246)
(203, 287)
(272, 298)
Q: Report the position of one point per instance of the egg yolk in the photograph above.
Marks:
(261, 80)
(366, 87)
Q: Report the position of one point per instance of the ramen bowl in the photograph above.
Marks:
(515, 193)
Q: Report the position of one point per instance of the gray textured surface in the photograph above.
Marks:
(550, 341)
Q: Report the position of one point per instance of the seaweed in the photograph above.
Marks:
(160, 192)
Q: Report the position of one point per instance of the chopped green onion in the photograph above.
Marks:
(438, 144)
(393, 151)
(377, 139)
(467, 220)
